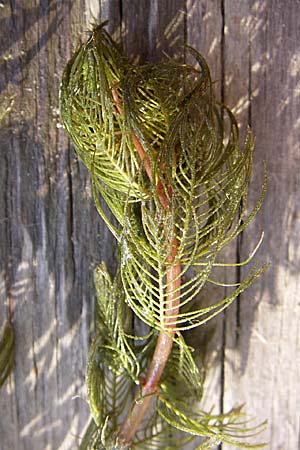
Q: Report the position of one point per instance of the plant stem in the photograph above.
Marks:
(159, 360)
(164, 343)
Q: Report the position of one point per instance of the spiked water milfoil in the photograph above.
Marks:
(165, 156)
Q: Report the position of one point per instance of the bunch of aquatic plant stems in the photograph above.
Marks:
(164, 156)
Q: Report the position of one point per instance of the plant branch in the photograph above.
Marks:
(193, 178)
(164, 343)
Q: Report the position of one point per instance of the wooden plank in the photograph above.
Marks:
(237, 95)
(262, 356)
(51, 236)
(151, 28)
(204, 25)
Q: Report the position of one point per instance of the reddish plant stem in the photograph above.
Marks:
(139, 148)
(164, 343)
(159, 360)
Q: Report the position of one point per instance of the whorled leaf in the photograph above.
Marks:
(153, 95)
(231, 428)
(112, 323)
(111, 379)
(109, 389)
(112, 368)
(91, 80)
(156, 434)
(204, 177)
(182, 377)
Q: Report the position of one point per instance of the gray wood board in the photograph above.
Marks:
(51, 237)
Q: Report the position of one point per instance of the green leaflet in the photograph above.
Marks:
(165, 156)
(182, 376)
(202, 217)
(112, 365)
(109, 381)
(227, 428)
(97, 129)
(111, 320)
(7, 344)
(157, 434)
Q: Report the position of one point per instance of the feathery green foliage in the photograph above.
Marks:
(165, 156)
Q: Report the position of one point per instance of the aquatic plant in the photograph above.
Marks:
(164, 154)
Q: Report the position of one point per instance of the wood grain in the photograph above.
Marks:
(51, 237)
(204, 29)
(262, 365)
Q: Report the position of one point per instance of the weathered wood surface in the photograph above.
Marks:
(51, 237)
